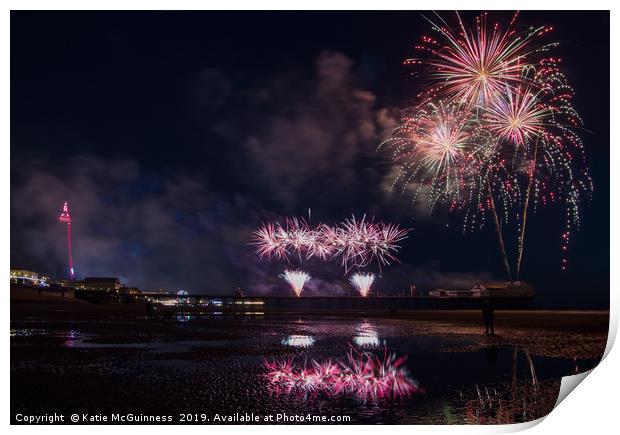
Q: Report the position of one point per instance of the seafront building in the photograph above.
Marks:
(105, 284)
(29, 277)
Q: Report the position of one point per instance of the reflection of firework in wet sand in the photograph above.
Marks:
(298, 341)
(296, 279)
(366, 336)
(362, 282)
(502, 403)
(361, 374)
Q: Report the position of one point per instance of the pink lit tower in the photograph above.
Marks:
(65, 217)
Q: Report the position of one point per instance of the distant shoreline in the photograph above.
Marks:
(27, 303)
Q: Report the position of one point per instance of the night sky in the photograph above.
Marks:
(173, 135)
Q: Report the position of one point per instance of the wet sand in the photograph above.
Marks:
(553, 333)
(27, 302)
(53, 306)
(217, 365)
(69, 355)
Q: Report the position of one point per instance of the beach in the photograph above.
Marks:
(69, 355)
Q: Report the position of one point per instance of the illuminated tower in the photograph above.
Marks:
(65, 217)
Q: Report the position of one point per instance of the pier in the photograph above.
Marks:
(210, 304)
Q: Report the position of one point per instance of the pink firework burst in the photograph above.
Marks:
(271, 241)
(360, 242)
(496, 133)
(517, 116)
(435, 150)
(356, 242)
(474, 65)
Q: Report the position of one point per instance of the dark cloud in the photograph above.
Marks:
(210, 88)
(297, 134)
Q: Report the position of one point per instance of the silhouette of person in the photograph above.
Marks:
(488, 314)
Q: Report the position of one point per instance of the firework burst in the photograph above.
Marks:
(517, 116)
(496, 133)
(474, 65)
(356, 242)
(436, 149)
(360, 242)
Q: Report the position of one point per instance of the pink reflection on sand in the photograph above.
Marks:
(360, 374)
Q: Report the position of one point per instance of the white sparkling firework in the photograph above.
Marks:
(296, 279)
(362, 282)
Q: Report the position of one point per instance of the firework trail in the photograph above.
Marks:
(360, 374)
(362, 282)
(296, 279)
(355, 242)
